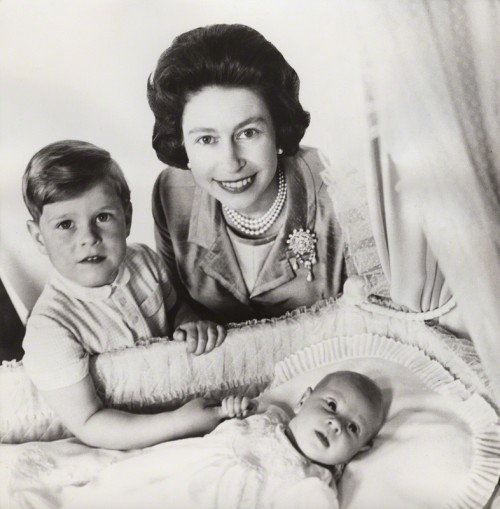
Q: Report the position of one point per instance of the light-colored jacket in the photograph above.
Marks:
(192, 239)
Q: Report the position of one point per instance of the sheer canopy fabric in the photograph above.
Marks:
(424, 143)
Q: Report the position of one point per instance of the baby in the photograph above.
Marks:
(104, 295)
(266, 460)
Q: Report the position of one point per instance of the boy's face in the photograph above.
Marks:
(335, 421)
(85, 237)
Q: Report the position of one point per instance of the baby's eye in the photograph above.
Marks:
(353, 427)
(251, 132)
(103, 217)
(64, 225)
(206, 140)
(332, 405)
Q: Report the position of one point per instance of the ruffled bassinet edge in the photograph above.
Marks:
(472, 408)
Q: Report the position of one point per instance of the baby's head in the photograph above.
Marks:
(80, 204)
(338, 418)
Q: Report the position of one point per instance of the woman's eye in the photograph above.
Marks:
(353, 427)
(64, 225)
(206, 140)
(248, 133)
(332, 405)
(103, 217)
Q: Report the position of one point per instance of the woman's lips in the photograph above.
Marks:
(236, 186)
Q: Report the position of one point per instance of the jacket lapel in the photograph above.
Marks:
(208, 230)
(300, 213)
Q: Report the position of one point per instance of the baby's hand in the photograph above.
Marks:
(201, 336)
(236, 406)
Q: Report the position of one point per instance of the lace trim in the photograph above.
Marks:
(346, 188)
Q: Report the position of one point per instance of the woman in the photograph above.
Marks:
(249, 230)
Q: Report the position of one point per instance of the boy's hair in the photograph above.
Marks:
(65, 169)
(226, 56)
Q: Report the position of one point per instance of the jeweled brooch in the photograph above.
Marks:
(302, 250)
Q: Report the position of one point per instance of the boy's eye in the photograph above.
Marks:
(248, 133)
(353, 427)
(103, 217)
(332, 405)
(64, 225)
(206, 140)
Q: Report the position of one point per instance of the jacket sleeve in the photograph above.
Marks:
(163, 240)
(165, 204)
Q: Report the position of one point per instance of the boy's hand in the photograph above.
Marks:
(236, 406)
(201, 336)
(201, 416)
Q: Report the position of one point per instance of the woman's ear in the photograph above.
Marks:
(36, 235)
(302, 400)
(128, 217)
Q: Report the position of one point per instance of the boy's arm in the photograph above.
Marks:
(82, 412)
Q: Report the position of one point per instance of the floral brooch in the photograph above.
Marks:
(302, 250)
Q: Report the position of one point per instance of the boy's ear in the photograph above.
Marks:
(302, 400)
(128, 217)
(36, 235)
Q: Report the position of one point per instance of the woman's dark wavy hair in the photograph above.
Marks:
(228, 56)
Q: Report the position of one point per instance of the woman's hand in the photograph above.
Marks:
(236, 406)
(201, 336)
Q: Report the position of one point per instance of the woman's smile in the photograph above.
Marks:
(237, 186)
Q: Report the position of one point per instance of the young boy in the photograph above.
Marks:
(264, 461)
(103, 295)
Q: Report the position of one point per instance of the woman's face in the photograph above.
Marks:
(231, 146)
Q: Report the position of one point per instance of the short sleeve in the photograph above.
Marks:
(53, 357)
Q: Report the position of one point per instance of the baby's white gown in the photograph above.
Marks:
(248, 463)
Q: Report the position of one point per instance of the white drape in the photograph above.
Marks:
(427, 140)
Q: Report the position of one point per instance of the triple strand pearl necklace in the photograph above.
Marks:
(260, 225)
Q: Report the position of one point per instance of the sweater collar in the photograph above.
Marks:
(88, 293)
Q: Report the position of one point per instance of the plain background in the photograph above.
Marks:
(78, 70)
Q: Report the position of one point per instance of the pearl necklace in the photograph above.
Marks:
(260, 225)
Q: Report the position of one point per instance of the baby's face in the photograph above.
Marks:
(335, 421)
(85, 236)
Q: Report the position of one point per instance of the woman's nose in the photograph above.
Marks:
(231, 160)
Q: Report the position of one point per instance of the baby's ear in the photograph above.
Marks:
(302, 400)
(36, 235)
(367, 446)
